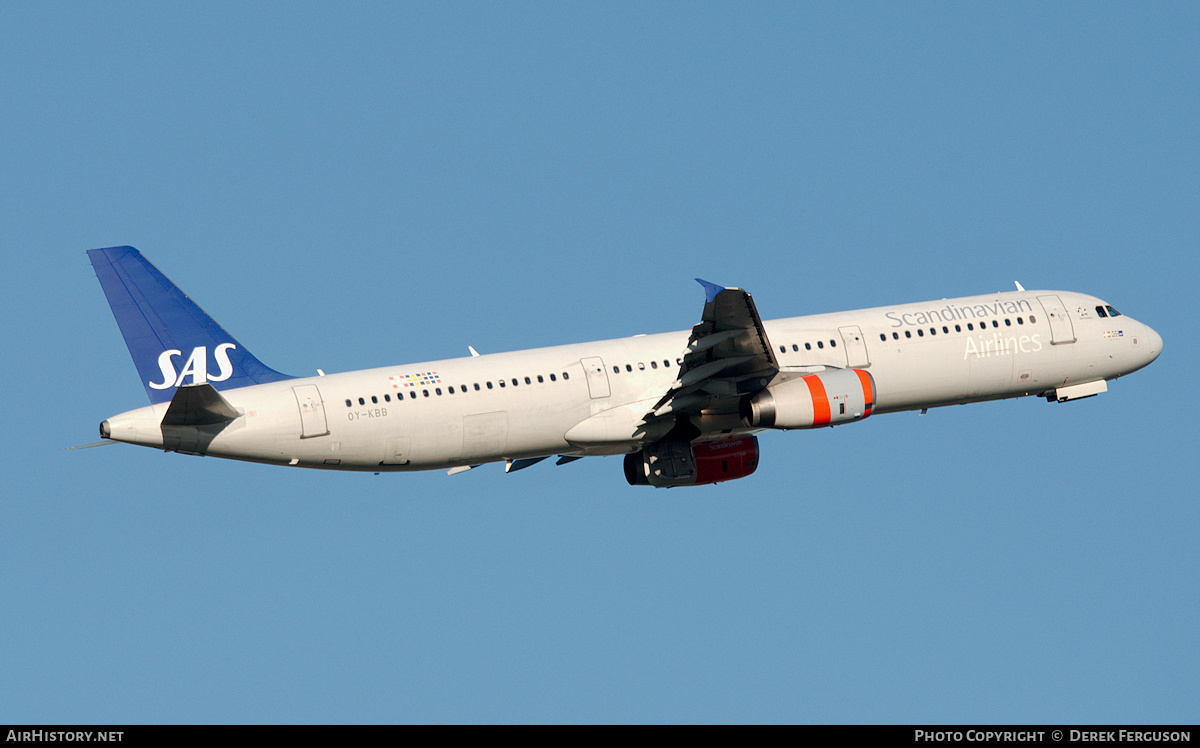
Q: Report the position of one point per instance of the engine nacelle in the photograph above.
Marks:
(825, 399)
(667, 464)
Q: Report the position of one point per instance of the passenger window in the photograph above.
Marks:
(920, 333)
(412, 395)
(641, 366)
(653, 364)
(666, 363)
(933, 331)
(425, 393)
(882, 336)
(1032, 320)
(476, 385)
(540, 380)
(782, 349)
(438, 390)
(958, 328)
(833, 344)
(970, 326)
(515, 382)
(450, 389)
(945, 330)
(552, 379)
(616, 370)
(820, 344)
(908, 333)
(628, 367)
(361, 401)
(1007, 322)
(374, 399)
(995, 323)
(527, 381)
(349, 404)
(795, 347)
(501, 382)
(566, 375)
(808, 346)
(895, 336)
(1020, 320)
(387, 398)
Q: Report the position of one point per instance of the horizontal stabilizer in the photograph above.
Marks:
(198, 405)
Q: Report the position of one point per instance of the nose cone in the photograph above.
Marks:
(1154, 344)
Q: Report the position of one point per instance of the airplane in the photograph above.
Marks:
(683, 408)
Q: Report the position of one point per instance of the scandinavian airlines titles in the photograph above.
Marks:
(953, 313)
(982, 346)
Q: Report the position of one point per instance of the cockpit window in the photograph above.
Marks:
(1100, 311)
(1112, 312)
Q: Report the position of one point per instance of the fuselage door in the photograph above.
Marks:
(597, 379)
(1061, 330)
(312, 411)
(856, 347)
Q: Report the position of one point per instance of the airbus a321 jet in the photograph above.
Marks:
(684, 408)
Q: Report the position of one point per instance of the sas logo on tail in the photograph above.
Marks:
(196, 366)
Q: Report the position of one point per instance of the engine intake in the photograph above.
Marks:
(825, 399)
(679, 463)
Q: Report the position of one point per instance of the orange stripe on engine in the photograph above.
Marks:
(868, 391)
(820, 400)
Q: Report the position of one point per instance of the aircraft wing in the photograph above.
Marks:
(728, 355)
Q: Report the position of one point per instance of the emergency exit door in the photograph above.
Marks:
(1061, 329)
(312, 411)
(855, 347)
(597, 378)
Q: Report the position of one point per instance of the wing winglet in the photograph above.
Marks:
(710, 289)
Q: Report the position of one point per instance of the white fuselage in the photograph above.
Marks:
(509, 406)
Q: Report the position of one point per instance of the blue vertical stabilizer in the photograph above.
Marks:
(172, 341)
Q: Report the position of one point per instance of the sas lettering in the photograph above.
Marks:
(196, 365)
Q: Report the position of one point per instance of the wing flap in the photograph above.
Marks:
(727, 355)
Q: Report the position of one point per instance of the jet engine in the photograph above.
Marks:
(680, 463)
(824, 399)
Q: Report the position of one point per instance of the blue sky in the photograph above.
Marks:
(353, 185)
